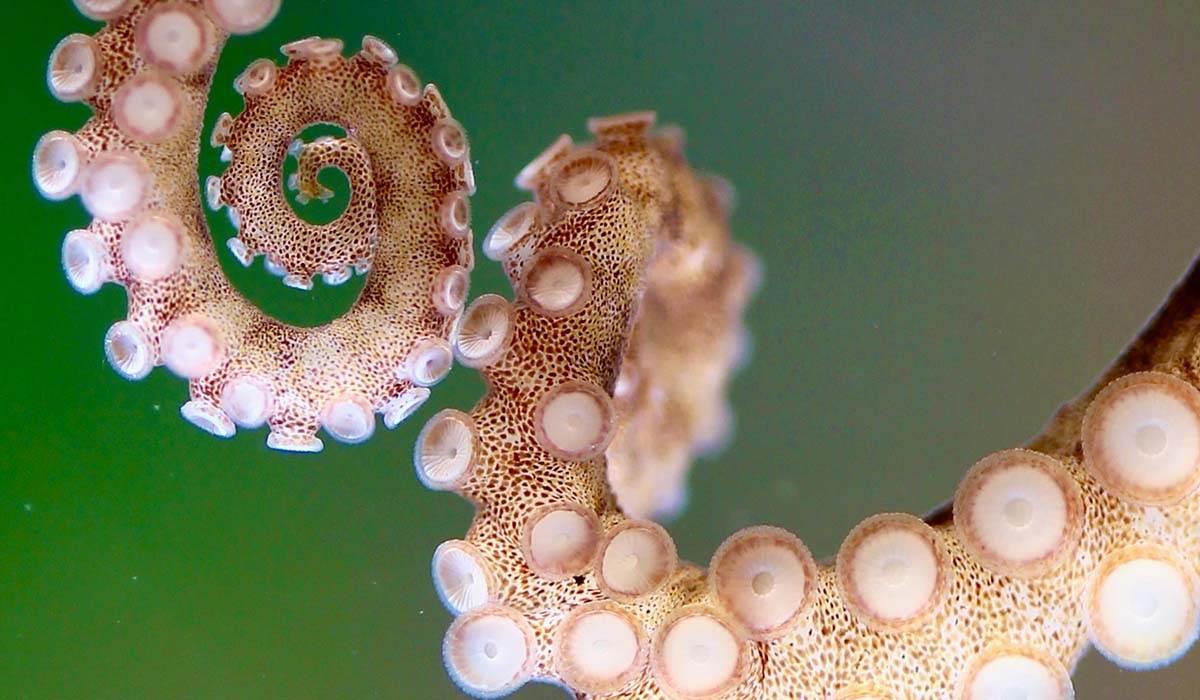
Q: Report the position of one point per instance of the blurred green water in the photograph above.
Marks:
(964, 213)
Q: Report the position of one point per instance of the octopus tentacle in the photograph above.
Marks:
(1089, 536)
(146, 75)
(548, 537)
(619, 338)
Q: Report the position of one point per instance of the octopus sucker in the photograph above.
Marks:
(75, 68)
(765, 578)
(1019, 512)
(600, 647)
(606, 372)
(490, 651)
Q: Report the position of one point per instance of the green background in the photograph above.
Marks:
(965, 212)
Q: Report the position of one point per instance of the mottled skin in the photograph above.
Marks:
(658, 228)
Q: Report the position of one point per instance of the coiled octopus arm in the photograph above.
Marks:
(623, 326)
(146, 76)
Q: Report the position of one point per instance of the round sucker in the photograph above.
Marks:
(152, 247)
(1143, 606)
(175, 37)
(1019, 512)
(128, 350)
(85, 261)
(149, 107)
(557, 282)
(635, 558)
(116, 185)
(446, 450)
(75, 68)
(1141, 438)
(484, 332)
(509, 230)
(560, 540)
(58, 164)
(599, 648)
(893, 571)
(575, 421)
(698, 654)
(461, 576)
(248, 400)
(584, 179)
(490, 651)
(765, 577)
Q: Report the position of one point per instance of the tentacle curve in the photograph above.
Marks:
(1091, 535)
(146, 75)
